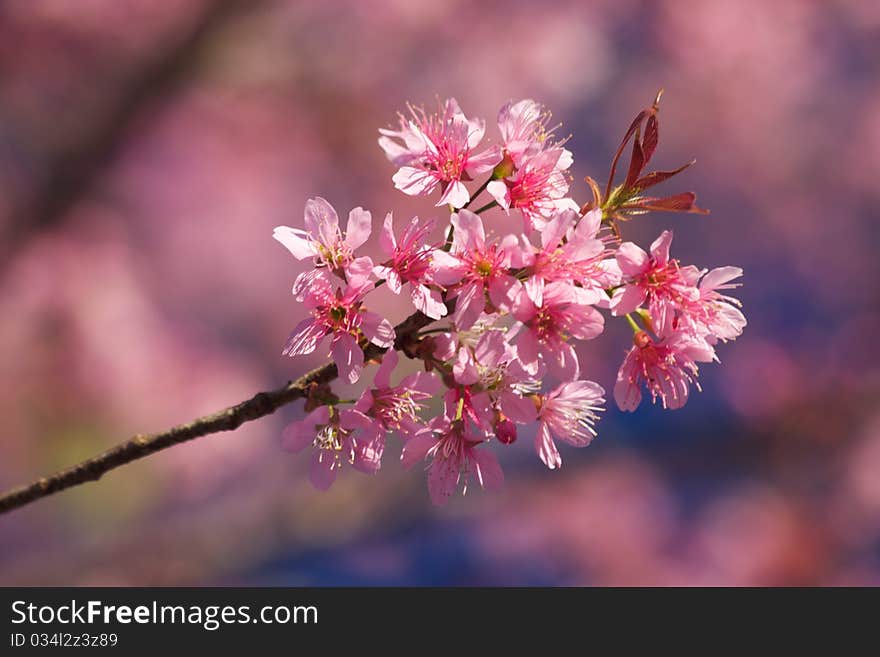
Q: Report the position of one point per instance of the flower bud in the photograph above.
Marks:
(641, 340)
(505, 430)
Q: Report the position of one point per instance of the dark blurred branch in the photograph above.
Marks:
(74, 170)
(141, 445)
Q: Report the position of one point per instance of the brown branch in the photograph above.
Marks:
(141, 445)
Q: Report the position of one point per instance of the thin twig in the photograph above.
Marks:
(141, 445)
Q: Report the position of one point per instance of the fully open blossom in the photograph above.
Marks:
(564, 313)
(339, 314)
(384, 408)
(568, 413)
(438, 150)
(457, 347)
(496, 369)
(410, 261)
(500, 373)
(469, 404)
(455, 455)
(322, 238)
(655, 279)
(572, 250)
(667, 367)
(538, 189)
(524, 132)
(714, 313)
(332, 436)
(477, 268)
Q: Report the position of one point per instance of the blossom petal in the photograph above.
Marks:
(566, 358)
(305, 338)
(377, 329)
(519, 409)
(428, 301)
(632, 259)
(587, 322)
(534, 287)
(383, 374)
(464, 369)
(660, 247)
(469, 306)
(488, 470)
(503, 291)
(483, 161)
(296, 241)
(469, 234)
(527, 351)
(320, 217)
(456, 195)
(546, 448)
(718, 277)
(296, 436)
(490, 349)
(413, 181)
(627, 393)
(556, 228)
(359, 227)
(323, 471)
(425, 382)
(416, 448)
(386, 237)
(628, 300)
(348, 356)
(500, 192)
(358, 272)
(443, 478)
(392, 278)
(447, 268)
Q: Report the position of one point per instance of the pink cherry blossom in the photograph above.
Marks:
(568, 413)
(524, 132)
(340, 315)
(508, 384)
(456, 346)
(477, 268)
(322, 239)
(572, 250)
(410, 262)
(455, 457)
(656, 280)
(666, 367)
(500, 373)
(332, 436)
(385, 408)
(469, 404)
(538, 189)
(563, 314)
(438, 149)
(714, 313)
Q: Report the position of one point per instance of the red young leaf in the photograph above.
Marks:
(684, 202)
(657, 177)
(634, 126)
(652, 137)
(636, 163)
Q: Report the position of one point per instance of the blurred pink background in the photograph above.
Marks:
(148, 149)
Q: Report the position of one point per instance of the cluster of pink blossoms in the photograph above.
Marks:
(501, 317)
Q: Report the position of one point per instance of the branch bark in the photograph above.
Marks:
(229, 419)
